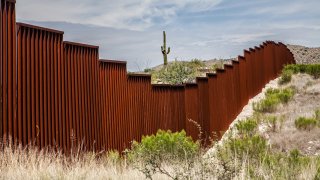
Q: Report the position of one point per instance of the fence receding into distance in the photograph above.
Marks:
(60, 94)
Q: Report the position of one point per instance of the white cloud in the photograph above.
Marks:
(123, 14)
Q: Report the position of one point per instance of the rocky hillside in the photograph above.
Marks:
(305, 55)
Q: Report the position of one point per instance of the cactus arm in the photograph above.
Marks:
(164, 39)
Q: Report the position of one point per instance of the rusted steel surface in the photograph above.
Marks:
(58, 94)
(82, 115)
(191, 110)
(39, 57)
(114, 103)
(8, 84)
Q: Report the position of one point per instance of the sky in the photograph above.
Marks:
(131, 30)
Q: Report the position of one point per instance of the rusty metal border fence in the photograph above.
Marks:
(80, 66)
(39, 57)
(8, 83)
(60, 94)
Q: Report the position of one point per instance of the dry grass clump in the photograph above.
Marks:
(29, 162)
(243, 157)
(274, 97)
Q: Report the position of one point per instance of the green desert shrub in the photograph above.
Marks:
(165, 144)
(305, 123)
(273, 97)
(253, 146)
(195, 63)
(178, 72)
(247, 127)
(286, 76)
(148, 70)
(175, 73)
(308, 123)
(165, 147)
(113, 156)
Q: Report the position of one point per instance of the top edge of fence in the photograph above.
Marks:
(220, 70)
(112, 61)
(139, 75)
(246, 51)
(228, 66)
(241, 58)
(11, 1)
(190, 84)
(211, 74)
(169, 85)
(202, 78)
(257, 47)
(80, 44)
(235, 61)
(20, 24)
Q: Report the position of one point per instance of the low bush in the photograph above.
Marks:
(247, 127)
(148, 70)
(286, 76)
(305, 123)
(196, 63)
(178, 72)
(164, 147)
(273, 97)
(253, 146)
(317, 115)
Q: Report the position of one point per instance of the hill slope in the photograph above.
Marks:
(305, 55)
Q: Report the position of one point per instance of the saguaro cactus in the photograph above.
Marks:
(164, 49)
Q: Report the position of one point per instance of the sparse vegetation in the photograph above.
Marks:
(273, 98)
(305, 123)
(164, 148)
(275, 123)
(286, 76)
(178, 72)
(247, 128)
(289, 70)
(147, 70)
(248, 156)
